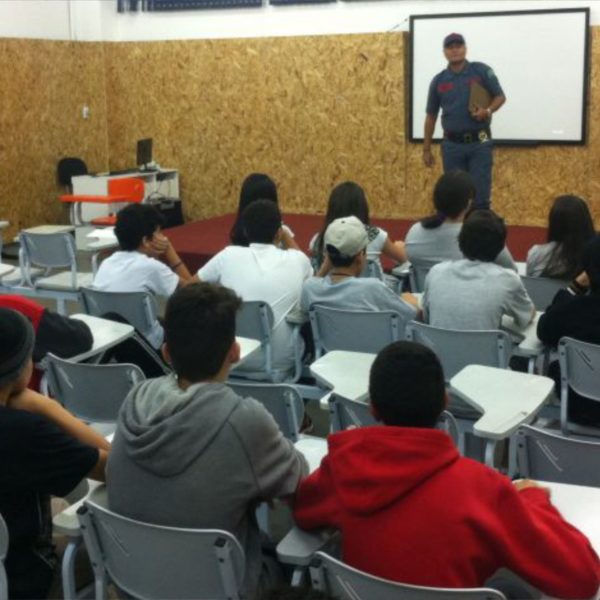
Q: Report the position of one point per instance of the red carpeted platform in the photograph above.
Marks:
(197, 242)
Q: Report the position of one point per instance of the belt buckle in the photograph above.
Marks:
(467, 138)
(483, 136)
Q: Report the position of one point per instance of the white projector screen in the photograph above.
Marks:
(540, 58)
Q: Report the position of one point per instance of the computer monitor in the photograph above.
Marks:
(144, 152)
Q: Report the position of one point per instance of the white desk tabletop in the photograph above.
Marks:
(247, 347)
(313, 449)
(521, 268)
(346, 373)
(507, 398)
(5, 269)
(106, 335)
(4, 224)
(530, 344)
(50, 229)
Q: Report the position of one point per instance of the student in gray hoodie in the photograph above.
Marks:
(188, 451)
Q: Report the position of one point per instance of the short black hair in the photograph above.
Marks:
(337, 259)
(452, 195)
(482, 236)
(294, 593)
(261, 221)
(200, 329)
(134, 223)
(406, 385)
(591, 263)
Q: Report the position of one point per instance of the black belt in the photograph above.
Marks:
(468, 137)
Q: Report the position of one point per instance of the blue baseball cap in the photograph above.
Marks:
(453, 38)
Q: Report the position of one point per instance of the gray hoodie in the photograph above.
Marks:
(201, 458)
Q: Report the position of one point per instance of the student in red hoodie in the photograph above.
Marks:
(411, 509)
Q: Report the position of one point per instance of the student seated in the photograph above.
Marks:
(263, 271)
(346, 242)
(54, 333)
(435, 238)
(136, 266)
(189, 452)
(348, 199)
(44, 451)
(411, 509)
(575, 313)
(258, 186)
(570, 227)
(474, 292)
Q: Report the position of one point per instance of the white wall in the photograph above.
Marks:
(92, 20)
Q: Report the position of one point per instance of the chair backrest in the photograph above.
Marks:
(354, 330)
(416, 277)
(542, 290)
(346, 583)
(153, 561)
(91, 392)
(580, 367)
(255, 320)
(282, 401)
(137, 308)
(456, 349)
(372, 269)
(50, 250)
(133, 187)
(3, 552)
(344, 413)
(548, 456)
(68, 168)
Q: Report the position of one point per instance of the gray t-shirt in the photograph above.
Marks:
(538, 258)
(468, 294)
(353, 293)
(427, 247)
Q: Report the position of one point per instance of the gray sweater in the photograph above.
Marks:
(200, 458)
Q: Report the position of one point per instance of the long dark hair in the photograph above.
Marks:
(452, 195)
(570, 226)
(257, 186)
(346, 200)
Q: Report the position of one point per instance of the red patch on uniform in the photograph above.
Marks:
(445, 87)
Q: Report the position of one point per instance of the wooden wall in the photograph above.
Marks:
(44, 85)
(310, 111)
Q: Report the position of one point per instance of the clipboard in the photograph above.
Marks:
(479, 97)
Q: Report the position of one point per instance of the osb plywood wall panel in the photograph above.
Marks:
(309, 111)
(44, 87)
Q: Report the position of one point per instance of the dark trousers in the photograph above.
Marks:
(476, 159)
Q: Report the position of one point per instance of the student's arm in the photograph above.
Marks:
(428, 138)
(537, 544)
(61, 336)
(552, 324)
(518, 303)
(325, 266)
(394, 250)
(287, 239)
(163, 246)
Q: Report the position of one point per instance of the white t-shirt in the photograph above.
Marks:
(264, 272)
(136, 272)
(468, 294)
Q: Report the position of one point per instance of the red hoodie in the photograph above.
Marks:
(412, 510)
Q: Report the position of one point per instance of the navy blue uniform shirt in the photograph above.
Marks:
(451, 92)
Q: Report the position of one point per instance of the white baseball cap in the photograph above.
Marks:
(347, 235)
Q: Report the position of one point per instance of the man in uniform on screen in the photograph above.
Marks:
(468, 93)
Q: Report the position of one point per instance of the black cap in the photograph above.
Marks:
(453, 38)
(17, 336)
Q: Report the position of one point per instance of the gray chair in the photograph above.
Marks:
(353, 330)
(580, 371)
(255, 320)
(137, 308)
(548, 456)
(52, 251)
(416, 277)
(282, 401)
(93, 393)
(3, 552)
(345, 413)
(153, 561)
(343, 582)
(542, 290)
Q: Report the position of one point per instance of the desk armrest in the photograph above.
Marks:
(298, 546)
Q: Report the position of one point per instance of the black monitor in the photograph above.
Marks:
(144, 152)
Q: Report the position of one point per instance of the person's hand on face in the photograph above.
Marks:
(159, 243)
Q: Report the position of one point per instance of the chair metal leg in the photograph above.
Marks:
(68, 569)
(490, 451)
(298, 576)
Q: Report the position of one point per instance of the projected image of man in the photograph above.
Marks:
(468, 94)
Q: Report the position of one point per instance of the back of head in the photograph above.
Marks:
(591, 263)
(570, 225)
(257, 186)
(134, 223)
(406, 385)
(261, 222)
(200, 329)
(345, 238)
(16, 348)
(452, 195)
(482, 236)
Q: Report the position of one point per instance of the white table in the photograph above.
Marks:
(313, 448)
(247, 347)
(345, 373)
(5, 269)
(50, 229)
(521, 268)
(106, 334)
